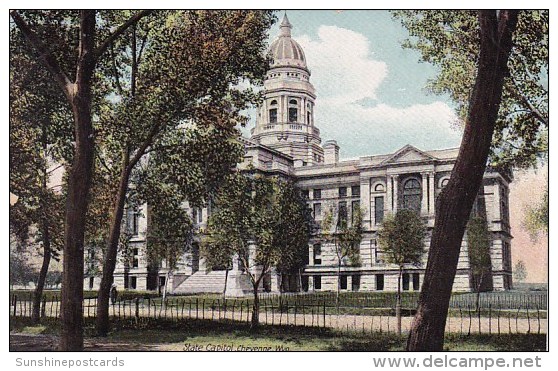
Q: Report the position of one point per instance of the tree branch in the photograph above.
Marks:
(45, 55)
(110, 39)
(534, 110)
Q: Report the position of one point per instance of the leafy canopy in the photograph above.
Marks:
(401, 238)
(449, 39)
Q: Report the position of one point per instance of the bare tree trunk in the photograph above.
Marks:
(79, 183)
(455, 202)
(398, 301)
(226, 279)
(338, 285)
(38, 293)
(102, 324)
(255, 309)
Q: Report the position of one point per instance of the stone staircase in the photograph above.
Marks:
(210, 282)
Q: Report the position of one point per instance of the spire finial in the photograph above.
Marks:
(286, 26)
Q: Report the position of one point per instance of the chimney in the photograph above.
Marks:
(331, 152)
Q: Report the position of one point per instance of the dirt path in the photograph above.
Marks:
(48, 343)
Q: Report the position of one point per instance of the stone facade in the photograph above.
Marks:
(286, 142)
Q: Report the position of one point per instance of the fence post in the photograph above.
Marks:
(538, 320)
(43, 309)
(489, 319)
(516, 319)
(137, 308)
(528, 322)
(324, 314)
(15, 305)
(196, 308)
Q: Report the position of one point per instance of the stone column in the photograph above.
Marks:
(349, 282)
(310, 254)
(431, 191)
(395, 188)
(365, 203)
(310, 283)
(389, 191)
(274, 281)
(496, 210)
(424, 205)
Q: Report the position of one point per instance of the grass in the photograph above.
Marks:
(175, 336)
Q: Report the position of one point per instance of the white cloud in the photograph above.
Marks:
(345, 75)
(341, 65)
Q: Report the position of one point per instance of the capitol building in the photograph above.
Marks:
(286, 142)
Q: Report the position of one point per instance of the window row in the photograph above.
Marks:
(408, 280)
(342, 192)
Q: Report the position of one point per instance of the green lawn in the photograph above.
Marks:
(175, 336)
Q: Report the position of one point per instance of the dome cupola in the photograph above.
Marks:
(286, 52)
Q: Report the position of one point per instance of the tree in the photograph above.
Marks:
(401, 238)
(263, 223)
(36, 219)
(478, 243)
(190, 165)
(535, 220)
(520, 271)
(450, 40)
(72, 62)
(345, 238)
(166, 81)
(455, 202)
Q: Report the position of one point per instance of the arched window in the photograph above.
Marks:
(273, 103)
(293, 110)
(273, 115)
(411, 195)
(444, 182)
(379, 188)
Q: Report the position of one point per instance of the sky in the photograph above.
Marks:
(371, 98)
(371, 92)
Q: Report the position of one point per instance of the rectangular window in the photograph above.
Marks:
(406, 281)
(317, 211)
(416, 281)
(355, 208)
(317, 282)
(343, 281)
(304, 282)
(316, 194)
(342, 212)
(378, 209)
(273, 115)
(133, 282)
(133, 221)
(306, 260)
(135, 258)
(355, 191)
(342, 191)
(91, 282)
(293, 114)
(355, 284)
(317, 254)
(379, 282)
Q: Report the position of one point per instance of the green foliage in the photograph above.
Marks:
(344, 236)
(263, 221)
(449, 40)
(519, 271)
(21, 272)
(401, 238)
(170, 232)
(536, 218)
(478, 243)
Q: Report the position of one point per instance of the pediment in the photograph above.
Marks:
(408, 154)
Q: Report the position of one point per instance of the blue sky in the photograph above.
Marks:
(371, 91)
